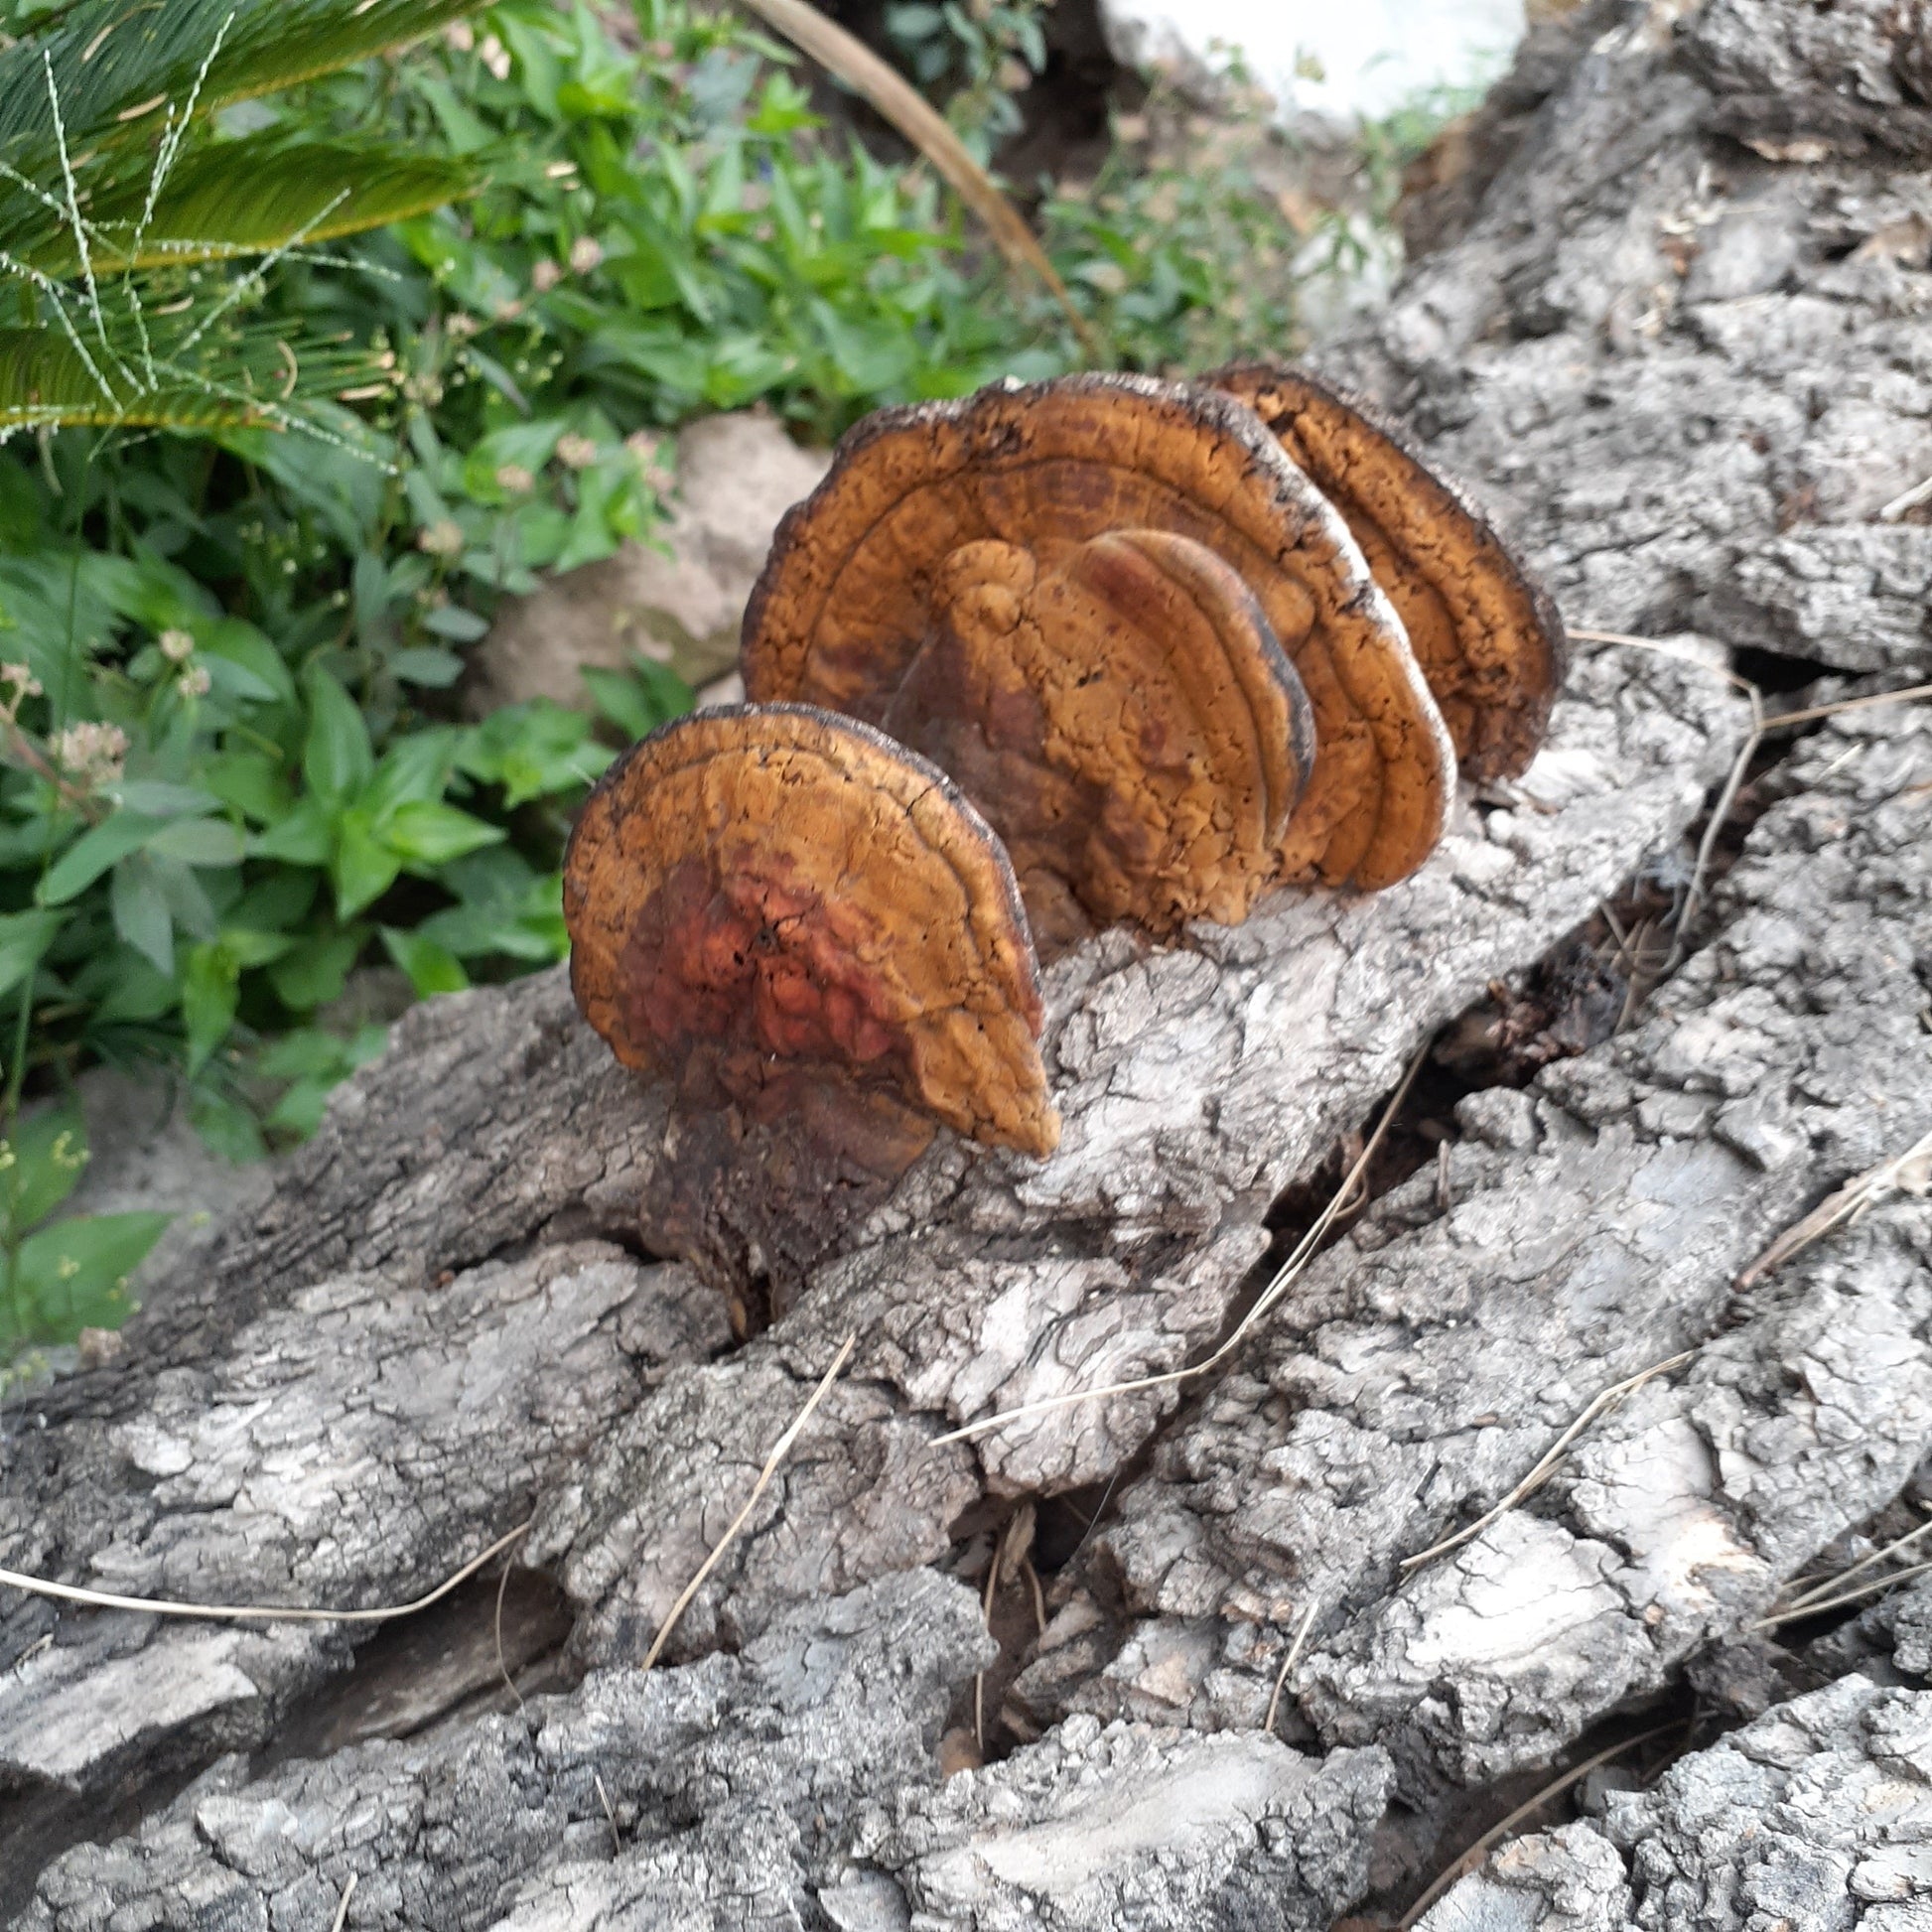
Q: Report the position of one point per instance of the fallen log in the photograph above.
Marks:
(449, 1320)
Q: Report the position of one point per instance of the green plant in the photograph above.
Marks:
(115, 189)
(61, 1277)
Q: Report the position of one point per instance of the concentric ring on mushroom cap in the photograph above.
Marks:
(1124, 718)
(780, 887)
(1485, 632)
(842, 605)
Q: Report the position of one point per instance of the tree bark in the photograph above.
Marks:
(1694, 375)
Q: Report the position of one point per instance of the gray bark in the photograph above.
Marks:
(1818, 1815)
(446, 1318)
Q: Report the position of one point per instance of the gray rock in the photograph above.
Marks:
(678, 598)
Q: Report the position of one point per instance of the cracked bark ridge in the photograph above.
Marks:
(346, 1447)
(1686, 376)
(1197, 1081)
(793, 1785)
(1593, 1226)
(1819, 1814)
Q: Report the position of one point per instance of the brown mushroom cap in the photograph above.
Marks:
(764, 900)
(1124, 717)
(843, 603)
(1485, 632)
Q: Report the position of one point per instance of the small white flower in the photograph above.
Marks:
(576, 452)
(461, 36)
(91, 753)
(177, 646)
(545, 276)
(514, 478)
(442, 538)
(192, 683)
(496, 57)
(585, 254)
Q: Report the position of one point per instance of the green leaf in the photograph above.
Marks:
(225, 1126)
(141, 912)
(252, 783)
(77, 1272)
(431, 968)
(24, 937)
(364, 866)
(431, 834)
(337, 759)
(306, 837)
(158, 800)
(423, 664)
(199, 842)
(93, 852)
(44, 1158)
(640, 699)
(244, 664)
(210, 994)
(414, 769)
(260, 192)
(317, 973)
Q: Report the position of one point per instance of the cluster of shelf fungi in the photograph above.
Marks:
(1683, 338)
(1098, 651)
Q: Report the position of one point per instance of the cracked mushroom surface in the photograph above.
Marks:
(1126, 720)
(845, 603)
(783, 911)
(1485, 632)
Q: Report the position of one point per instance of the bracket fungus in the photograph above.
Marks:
(845, 605)
(1124, 717)
(782, 911)
(1485, 632)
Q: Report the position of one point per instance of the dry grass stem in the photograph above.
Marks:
(610, 1816)
(341, 1904)
(1761, 724)
(1551, 1459)
(101, 1599)
(779, 1450)
(1907, 499)
(1491, 1838)
(1871, 1587)
(502, 1666)
(1910, 1172)
(852, 61)
(1285, 1277)
(1288, 1662)
(1809, 1589)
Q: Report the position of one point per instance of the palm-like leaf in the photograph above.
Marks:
(233, 198)
(48, 378)
(120, 70)
(106, 172)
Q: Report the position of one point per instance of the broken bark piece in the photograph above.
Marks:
(1126, 720)
(783, 912)
(845, 602)
(1485, 632)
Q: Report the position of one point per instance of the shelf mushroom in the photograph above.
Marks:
(845, 607)
(1127, 719)
(783, 912)
(1486, 634)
